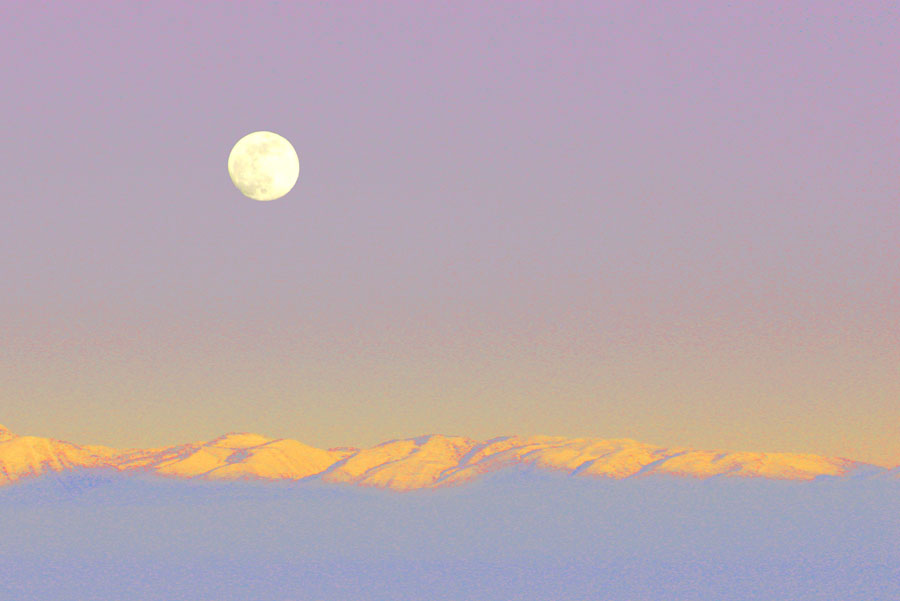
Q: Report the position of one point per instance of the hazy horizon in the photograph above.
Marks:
(420, 435)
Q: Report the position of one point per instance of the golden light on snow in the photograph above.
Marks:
(263, 165)
(424, 462)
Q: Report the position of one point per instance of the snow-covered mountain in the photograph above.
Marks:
(414, 463)
(22, 456)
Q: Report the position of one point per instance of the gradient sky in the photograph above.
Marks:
(674, 223)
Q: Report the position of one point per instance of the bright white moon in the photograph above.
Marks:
(263, 165)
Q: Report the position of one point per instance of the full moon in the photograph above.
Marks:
(263, 166)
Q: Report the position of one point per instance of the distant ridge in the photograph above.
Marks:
(426, 461)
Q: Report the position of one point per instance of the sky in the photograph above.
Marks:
(673, 222)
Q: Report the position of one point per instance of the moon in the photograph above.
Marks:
(263, 165)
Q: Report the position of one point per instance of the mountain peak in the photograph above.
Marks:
(240, 440)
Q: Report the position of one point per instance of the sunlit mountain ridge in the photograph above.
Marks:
(415, 463)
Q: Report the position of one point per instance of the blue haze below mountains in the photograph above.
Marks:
(518, 534)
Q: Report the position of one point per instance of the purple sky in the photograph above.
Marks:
(671, 223)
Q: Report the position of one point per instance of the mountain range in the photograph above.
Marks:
(423, 462)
